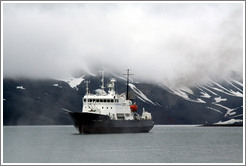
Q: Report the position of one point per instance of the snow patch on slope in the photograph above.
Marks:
(141, 96)
(219, 99)
(231, 121)
(222, 89)
(235, 86)
(208, 90)
(74, 82)
(187, 90)
(183, 92)
(215, 110)
(57, 85)
(239, 115)
(237, 82)
(20, 87)
(229, 110)
(205, 95)
(238, 94)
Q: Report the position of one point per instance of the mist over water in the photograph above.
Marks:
(173, 43)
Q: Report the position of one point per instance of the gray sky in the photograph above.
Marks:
(173, 43)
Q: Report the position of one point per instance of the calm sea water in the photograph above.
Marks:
(164, 144)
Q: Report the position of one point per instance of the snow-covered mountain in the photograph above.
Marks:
(40, 102)
(224, 97)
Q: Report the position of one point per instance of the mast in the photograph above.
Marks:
(87, 87)
(102, 80)
(127, 83)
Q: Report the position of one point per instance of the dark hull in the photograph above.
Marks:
(94, 123)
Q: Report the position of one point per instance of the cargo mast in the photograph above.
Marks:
(127, 83)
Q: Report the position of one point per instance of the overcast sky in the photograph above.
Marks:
(174, 43)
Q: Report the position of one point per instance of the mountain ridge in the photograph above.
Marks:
(39, 102)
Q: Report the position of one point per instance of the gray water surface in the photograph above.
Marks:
(164, 144)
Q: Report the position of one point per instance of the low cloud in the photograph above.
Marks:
(173, 43)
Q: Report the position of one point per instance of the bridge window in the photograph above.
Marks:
(102, 100)
(120, 116)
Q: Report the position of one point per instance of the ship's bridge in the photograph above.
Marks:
(107, 103)
(102, 96)
(101, 99)
(113, 105)
(92, 98)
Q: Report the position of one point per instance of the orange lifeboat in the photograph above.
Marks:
(134, 107)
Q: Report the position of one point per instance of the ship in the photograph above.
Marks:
(109, 112)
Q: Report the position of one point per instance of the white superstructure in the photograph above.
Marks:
(117, 107)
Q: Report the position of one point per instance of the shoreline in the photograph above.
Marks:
(221, 125)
